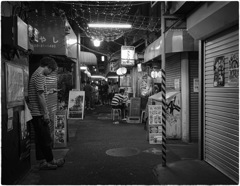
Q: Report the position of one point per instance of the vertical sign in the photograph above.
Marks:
(76, 104)
(60, 130)
(127, 55)
(155, 124)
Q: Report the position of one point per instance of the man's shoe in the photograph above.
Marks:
(59, 162)
(47, 166)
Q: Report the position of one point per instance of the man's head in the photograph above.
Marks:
(49, 65)
(121, 91)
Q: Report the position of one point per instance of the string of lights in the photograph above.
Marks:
(110, 12)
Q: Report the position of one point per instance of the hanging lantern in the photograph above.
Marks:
(119, 72)
(123, 70)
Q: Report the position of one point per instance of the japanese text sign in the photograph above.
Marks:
(127, 55)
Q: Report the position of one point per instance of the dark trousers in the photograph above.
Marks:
(43, 140)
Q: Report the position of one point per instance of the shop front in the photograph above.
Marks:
(181, 63)
(216, 26)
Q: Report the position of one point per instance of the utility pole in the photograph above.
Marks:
(163, 89)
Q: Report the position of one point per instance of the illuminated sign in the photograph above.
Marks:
(127, 55)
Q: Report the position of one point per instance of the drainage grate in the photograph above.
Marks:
(122, 152)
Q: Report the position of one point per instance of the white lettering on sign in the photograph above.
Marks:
(42, 39)
(54, 40)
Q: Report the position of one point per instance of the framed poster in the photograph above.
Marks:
(60, 130)
(14, 85)
(76, 104)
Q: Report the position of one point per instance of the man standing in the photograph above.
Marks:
(38, 105)
(88, 94)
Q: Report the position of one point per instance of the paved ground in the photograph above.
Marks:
(101, 153)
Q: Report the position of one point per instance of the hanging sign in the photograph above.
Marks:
(76, 104)
(233, 79)
(51, 39)
(111, 67)
(127, 55)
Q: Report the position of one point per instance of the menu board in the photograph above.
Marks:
(76, 104)
(60, 130)
(14, 85)
(155, 124)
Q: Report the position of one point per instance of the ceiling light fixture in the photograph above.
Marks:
(96, 42)
(97, 25)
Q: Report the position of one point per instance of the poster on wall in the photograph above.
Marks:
(125, 81)
(155, 124)
(233, 78)
(176, 84)
(14, 85)
(76, 104)
(145, 84)
(195, 85)
(10, 120)
(219, 72)
(60, 130)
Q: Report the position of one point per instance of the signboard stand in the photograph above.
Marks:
(76, 104)
(155, 124)
(134, 111)
(60, 129)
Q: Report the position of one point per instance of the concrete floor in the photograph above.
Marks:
(101, 153)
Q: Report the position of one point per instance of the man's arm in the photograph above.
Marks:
(43, 104)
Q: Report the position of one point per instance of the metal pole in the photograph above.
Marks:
(164, 149)
(78, 72)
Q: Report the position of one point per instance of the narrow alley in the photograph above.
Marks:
(101, 153)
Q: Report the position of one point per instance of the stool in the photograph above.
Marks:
(116, 113)
(142, 115)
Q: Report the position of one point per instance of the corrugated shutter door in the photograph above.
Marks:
(193, 110)
(173, 70)
(221, 104)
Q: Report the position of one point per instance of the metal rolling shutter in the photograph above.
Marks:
(221, 108)
(51, 82)
(193, 110)
(173, 70)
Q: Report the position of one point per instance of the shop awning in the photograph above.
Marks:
(87, 58)
(176, 41)
(169, 95)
